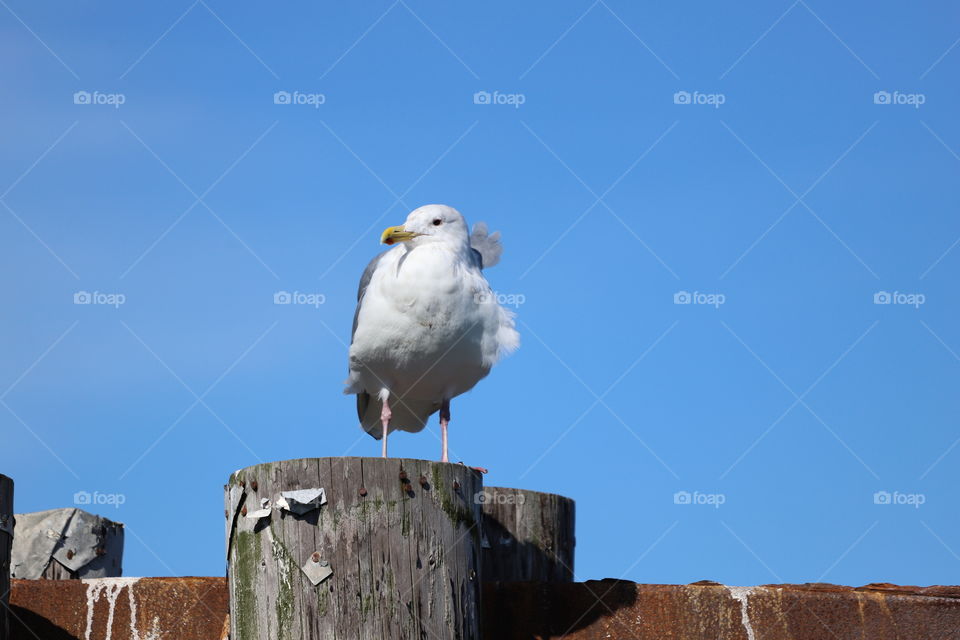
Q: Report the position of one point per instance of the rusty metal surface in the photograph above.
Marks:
(613, 609)
(119, 609)
(196, 608)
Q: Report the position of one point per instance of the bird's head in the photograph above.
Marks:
(430, 223)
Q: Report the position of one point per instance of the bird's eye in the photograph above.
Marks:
(437, 222)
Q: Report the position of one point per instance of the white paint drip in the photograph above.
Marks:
(111, 588)
(742, 595)
(154, 633)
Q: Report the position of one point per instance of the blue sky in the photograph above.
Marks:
(776, 166)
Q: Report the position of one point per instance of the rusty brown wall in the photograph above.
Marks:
(196, 608)
(119, 609)
(605, 609)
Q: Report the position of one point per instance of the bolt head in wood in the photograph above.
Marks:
(423, 481)
(315, 556)
(363, 492)
(403, 476)
(243, 511)
(253, 485)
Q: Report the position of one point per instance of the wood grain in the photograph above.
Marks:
(528, 535)
(405, 556)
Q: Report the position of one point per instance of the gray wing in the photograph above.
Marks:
(363, 399)
(486, 247)
(362, 289)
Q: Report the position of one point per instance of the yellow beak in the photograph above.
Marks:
(396, 234)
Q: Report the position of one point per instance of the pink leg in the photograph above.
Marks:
(444, 422)
(385, 415)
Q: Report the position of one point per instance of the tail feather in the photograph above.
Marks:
(487, 245)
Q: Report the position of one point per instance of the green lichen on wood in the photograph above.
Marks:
(366, 606)
(335, 515)
(391, 592)
(244, 567)
(323, 601)
(287, 571)
(457, 514)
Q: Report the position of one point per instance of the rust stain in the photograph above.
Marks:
(118, 609)
(196, 609)
(709, 611)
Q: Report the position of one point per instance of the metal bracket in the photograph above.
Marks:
(317, 570)
(301, 501)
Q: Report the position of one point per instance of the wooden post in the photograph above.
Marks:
(527, 535)
(401, 538)
(6, 544)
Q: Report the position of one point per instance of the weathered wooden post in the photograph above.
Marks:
(335, 548)
(6, 543)
(527, 535)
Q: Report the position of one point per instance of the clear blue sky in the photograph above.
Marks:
(785, 188)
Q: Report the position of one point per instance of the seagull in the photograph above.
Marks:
(427, 327)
